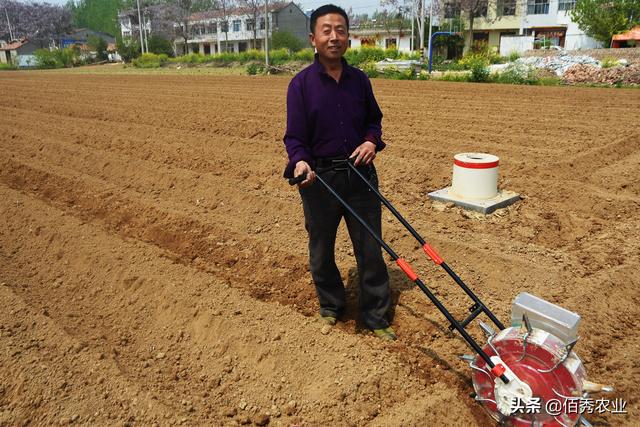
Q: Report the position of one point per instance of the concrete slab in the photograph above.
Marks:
(486, 206)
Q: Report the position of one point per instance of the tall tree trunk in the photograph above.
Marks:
(255, 29)
(469, 44)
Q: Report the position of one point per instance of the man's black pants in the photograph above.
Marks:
(323, 213)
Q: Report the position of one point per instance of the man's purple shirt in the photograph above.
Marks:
(329, 119)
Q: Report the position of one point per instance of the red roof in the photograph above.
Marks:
(14, 44)
(632, 34)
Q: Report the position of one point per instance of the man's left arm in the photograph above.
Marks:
(366, 152)
(373, 117)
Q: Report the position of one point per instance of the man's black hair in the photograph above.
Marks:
(325, 10)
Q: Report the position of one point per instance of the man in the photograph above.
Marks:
(332, 115)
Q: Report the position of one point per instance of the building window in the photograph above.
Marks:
(236, 25)
(451, 9)
(506, 8)
(250, 25)
(214, 28)
(566, 4)
(482, 8)
(262, 24)
(537, 7)
(224, 27)
(391, 43)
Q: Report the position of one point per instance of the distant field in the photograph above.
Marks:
(130, 69)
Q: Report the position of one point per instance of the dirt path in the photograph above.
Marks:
(153, 261)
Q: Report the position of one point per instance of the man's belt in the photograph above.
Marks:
(335, 163)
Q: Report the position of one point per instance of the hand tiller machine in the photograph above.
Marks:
(526, 374)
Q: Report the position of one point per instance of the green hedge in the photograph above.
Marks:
(58, 58)
(150, 60)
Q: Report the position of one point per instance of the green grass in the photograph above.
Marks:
(130, 70)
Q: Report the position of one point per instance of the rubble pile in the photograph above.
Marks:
(584, 73)
(558, 64)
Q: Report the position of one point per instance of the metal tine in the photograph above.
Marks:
(527, 325)
(467, 358)
(584, 422)
(488, 330)
(568, 349)
(560, 422)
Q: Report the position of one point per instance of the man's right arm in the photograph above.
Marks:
(295, 138)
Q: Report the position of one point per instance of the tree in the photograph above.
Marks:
(255, 8)
(473, 9)
(159, 45)
(602, 19)
(36, 21)
(99, 46)
(225, 7)
(98, 15)
(128, 49)
(181, 13)
(395, 15)
(284, 39)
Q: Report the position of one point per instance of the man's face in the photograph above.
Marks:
(330, 36)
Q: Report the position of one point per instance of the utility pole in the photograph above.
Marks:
(140, 27)
(413, 21)
(422, 31)
(8, 24)
(146, 35)
(266, 34)
(430, 26)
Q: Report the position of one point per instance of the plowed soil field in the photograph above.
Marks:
(153, 262)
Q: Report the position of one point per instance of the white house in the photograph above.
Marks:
(518, 25)
(212, 32)
(207, 35)
(378, 36)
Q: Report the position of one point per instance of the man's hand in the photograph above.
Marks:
(302, 167)
(365, 153)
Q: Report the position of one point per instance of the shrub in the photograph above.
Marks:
(549, 81)
(479, 74)
(47, 59)
(4, 66)
(513, 56)
(454, 77)
(99, 46)
(395, 74)
(279, 56)
(128, 49)
(304, 55)
(609, 62)
(254, 68)
(423, 75)
(369, 68)
(150, 60)
(250, 55)
(364, 54)
(286, 40)
(479, 70)
(516, 74)
(159, 45)
(58, 58)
